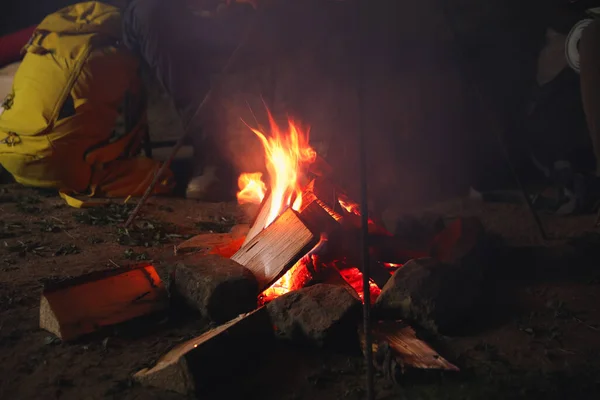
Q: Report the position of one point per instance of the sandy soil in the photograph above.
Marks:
(536, 336)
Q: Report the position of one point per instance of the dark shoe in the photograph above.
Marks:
(569, 192)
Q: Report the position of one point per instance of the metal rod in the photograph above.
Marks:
(364, 207)
(190, 124)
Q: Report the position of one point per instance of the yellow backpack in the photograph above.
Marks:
(57, 129)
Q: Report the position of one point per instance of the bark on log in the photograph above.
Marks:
(83, 305)
(213, 358)
(218, 287)
(276, 249)
(320, 315)
(437, 296)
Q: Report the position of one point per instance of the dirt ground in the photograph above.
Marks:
(536, 336)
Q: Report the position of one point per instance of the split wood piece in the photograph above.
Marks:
(260, 220)
(276, 249)
(324, 192)
(398, 349)
(212, 358)
(318, 220)
(223, 244)
(83, 305)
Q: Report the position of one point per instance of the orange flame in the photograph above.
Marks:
(286, 154)
(295, 278)
(252, 188)
(349, 206)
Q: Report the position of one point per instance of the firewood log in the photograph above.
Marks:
(260, 220)
(85, 304)
(325, 193)
(213, 358)
(276, 249)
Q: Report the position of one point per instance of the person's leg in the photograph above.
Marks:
(589, 59)
(184, 50)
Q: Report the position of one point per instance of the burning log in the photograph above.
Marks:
(83, 305)
(398, 350)
(318, 219)
(218, 287)
(325, 193)
(260, 220)
(276, 249)
(212, 358)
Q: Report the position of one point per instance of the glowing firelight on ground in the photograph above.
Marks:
(287, 153)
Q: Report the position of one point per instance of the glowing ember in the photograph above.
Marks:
(294, 279)
(297, 276)
(286, 155)
(354, 210)
(349, 206)
(392, 266)
(354, 277)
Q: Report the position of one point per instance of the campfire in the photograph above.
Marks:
(297, 198)
(293, 272)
